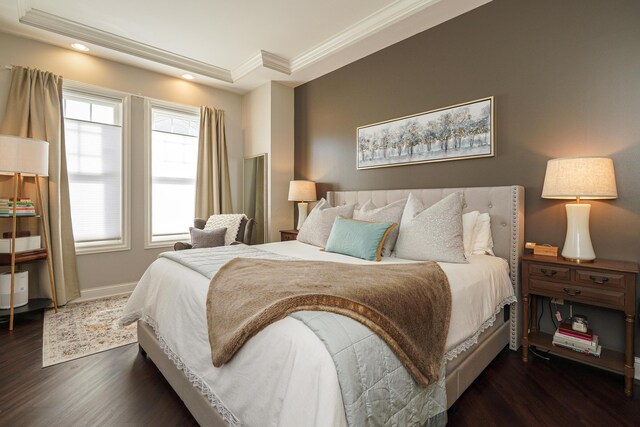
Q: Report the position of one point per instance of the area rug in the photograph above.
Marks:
(84, 328)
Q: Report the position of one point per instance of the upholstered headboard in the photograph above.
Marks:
(504, 204)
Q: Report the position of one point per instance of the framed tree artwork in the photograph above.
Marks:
(462, 131)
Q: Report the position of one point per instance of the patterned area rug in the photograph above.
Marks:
(83, 329)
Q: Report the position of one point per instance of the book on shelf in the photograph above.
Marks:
(576, 342)
(22, 207)
(18, 212)
(566, 329)
(589, 352)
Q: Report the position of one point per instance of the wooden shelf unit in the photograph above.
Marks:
(14, 258)
(34, 304)
(24, 256)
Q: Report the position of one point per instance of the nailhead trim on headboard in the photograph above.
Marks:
(517, 238)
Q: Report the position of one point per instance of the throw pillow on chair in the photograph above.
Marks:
(207, 238)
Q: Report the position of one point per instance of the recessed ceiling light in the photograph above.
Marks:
(80, 46)
(188, 77)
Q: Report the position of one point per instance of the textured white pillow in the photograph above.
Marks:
(389, 213)
(469, 221)
(229, 221)
(432, 234)
(482, 240)
(317, 227)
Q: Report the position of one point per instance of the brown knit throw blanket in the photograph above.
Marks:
(407, 305)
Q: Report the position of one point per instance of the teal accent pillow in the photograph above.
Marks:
(360, 239)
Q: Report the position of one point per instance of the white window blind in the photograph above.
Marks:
(94, 151)
(174, 156)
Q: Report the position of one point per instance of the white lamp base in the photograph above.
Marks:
(302, 213)
(577, 245)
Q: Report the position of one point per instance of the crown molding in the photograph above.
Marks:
(46, 21)
(247, 67)
(368, 26)
(377, 21)
(261, 59)
(275, 62)
(23, 6)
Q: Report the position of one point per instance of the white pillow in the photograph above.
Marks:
(482, 240)
(389, 213)
(317, 227)
(469, 221)
(434, 233)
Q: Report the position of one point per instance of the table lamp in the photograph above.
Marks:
(26, 157)
(302, 191)
(579, 178)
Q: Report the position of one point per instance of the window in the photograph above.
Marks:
(172, 159)
(95, 147)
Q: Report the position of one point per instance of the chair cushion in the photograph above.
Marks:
(207, 238)
(230, 221)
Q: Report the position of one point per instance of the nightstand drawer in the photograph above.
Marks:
(549, 271)
(600, 279)
(601, 297)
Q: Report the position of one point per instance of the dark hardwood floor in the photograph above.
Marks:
(121, 388)
(116, 388)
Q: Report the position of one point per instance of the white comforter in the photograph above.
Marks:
(284, 376)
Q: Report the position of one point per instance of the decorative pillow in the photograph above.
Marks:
(360, 239)
(230, 221)
(469, 221)
(482, 240)
(207, 238)
(390, 213)
(317, 227)
(434, 233)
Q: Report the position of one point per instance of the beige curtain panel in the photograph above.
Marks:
(34, 110)
(213, 187)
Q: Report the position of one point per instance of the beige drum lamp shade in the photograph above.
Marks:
(583, 177)
(23, 155)
(579, 178)
(302, 191)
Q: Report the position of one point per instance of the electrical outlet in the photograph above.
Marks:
(558, 301)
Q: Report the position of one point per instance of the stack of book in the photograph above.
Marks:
(582, 342)
(23, 207)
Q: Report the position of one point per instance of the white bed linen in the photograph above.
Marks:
(294, 382)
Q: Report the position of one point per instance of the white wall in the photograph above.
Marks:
(268, 128)
(98, 270)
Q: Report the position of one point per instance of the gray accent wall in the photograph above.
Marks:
(566, 80)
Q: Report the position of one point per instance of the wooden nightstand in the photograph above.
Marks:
(603, 283)
(288, 235)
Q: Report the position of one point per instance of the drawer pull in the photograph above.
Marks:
(599, 280)
(548, 273)
(572, 294)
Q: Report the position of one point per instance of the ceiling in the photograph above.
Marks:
(236, 45)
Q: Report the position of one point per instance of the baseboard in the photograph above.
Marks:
(105, 291)
(637, 366)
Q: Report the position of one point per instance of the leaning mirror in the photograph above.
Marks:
(255, 195)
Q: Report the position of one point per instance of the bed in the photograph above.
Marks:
(296, 380)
